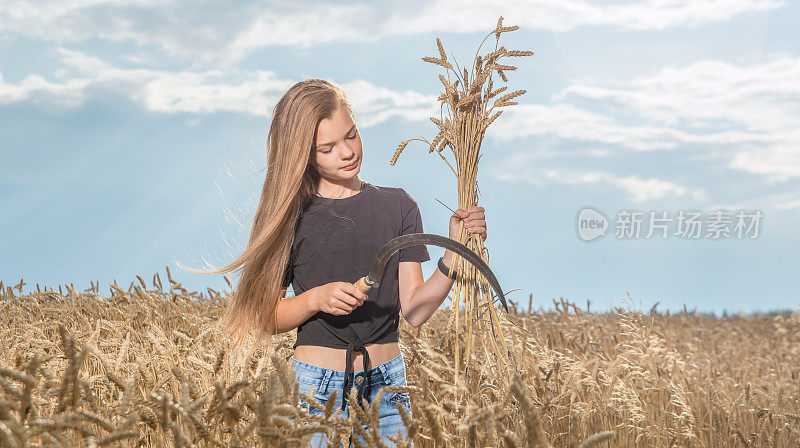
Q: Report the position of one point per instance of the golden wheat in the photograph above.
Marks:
(80, 369)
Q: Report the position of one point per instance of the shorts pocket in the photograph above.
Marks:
(320, 397)
(400, 397)
(306, 379)
(398, 379)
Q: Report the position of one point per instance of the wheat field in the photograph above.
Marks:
(147, 366)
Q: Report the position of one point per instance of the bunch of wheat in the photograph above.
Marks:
(472, 104)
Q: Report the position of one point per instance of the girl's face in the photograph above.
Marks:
(337, 151)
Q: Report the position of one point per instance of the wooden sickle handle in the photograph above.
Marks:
(362, 285)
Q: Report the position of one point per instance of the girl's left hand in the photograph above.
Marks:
(474, 221)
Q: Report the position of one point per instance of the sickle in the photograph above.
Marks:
(419, 239)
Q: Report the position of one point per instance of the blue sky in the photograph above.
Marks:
(133, 137)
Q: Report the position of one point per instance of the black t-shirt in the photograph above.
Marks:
(337, 240)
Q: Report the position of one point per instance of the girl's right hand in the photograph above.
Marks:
(339, 298)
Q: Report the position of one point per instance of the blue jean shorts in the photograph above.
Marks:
(325, 381)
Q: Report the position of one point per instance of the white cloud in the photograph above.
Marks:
(638, 188)
(744, 116)
(567, 121)
(784, 200)
(790, 204)
(471, 16)
(376, 104)
(777, 162)
(201, 92)
(763, 97)
(224, 33)
(39, 90)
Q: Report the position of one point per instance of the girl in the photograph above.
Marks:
(318, 227)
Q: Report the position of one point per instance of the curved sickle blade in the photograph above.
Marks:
(419, 239)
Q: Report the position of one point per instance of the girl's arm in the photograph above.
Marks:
(419, 300)
(337, 298)
(293, 311)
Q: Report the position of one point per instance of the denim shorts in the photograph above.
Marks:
(325, 381)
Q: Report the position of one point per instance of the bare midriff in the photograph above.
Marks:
(334, 358)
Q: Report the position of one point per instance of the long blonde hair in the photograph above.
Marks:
(290, 182)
